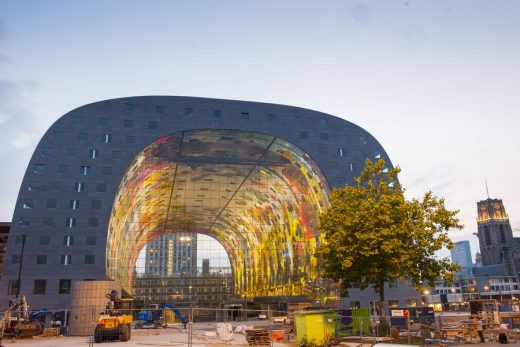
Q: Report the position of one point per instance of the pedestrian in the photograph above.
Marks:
(480, 330)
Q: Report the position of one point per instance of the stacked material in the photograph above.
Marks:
(257, 337)
(54, 331)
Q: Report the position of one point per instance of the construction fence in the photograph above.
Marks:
(198, 326)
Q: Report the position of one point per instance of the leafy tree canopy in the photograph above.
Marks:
(373, 234)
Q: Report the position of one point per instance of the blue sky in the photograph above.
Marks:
(436, 82)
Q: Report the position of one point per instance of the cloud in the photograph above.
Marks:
(361, 14)
(18, 124)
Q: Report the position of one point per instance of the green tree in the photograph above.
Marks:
(373, 234)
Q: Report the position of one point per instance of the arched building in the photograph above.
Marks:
(108, 177)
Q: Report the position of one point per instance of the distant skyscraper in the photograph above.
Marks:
(461, 254)
(172, 255)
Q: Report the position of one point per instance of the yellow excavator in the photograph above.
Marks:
(114, 323)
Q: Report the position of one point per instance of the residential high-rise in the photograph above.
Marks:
(461, 254)
(171, 255)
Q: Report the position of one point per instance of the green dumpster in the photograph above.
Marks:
(315, 326)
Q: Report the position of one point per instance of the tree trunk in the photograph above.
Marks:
(382, 306)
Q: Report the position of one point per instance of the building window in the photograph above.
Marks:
(487, 235)
(392, 284)
(19, 240)
(79, 187)
(85, 170)
(107, 170)
(217, 113)
(15, 259)
(298, 119)
(152, 124)
(39, 286)
(107, 138)
(363, 140)
(39, 168)
(83, 137)
(90, 259)
(70, 222)
(159, 109)
(64, 287)
(93, 153)
(116, 154)
(45, 240)
(101, 187)
(341, 152)
(46, 151)
(68, 240)
(77, 119)
(48, 221)
(304, 135)
(351, 167)
(74, 204)
(502, 233)
(13, 287)
(271, 117)
(70, 152)
(102, 122)
(244, 115)
(55, 186)
(62, 169)
(323, 123)
(59, 135)
(96, 204)
(91, 240)
(33, 186)
(24, 222)
(41, 259)
(130, 139)
(66, 259)
(93, 222)
(128, 123)
(188, 112)
(28, 204)
(324, 136)
(129, 107)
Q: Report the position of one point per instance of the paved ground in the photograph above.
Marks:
(142, 337)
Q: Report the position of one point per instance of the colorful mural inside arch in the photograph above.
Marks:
(256, 194)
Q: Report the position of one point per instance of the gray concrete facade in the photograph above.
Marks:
(65, 200)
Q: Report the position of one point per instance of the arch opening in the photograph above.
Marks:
(257, 195)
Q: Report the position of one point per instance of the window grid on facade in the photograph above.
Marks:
(41, 259)
(74, 204)
(79, 187)
(66, 259)
(68, 240)
(93, 153)
(70, 222)
(39, 286)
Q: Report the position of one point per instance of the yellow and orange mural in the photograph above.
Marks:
(259, 196)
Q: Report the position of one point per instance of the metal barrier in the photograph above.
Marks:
(202, 326)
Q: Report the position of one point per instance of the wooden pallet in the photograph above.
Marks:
(258, 337)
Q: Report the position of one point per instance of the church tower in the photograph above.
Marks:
(494, 234)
